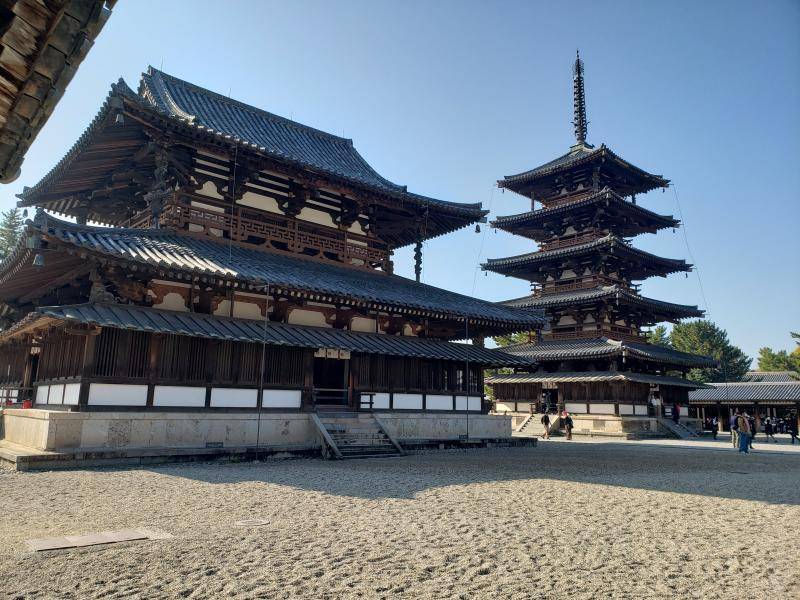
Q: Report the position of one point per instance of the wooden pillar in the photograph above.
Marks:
(87, 369)
(307, 402)
(152, 375)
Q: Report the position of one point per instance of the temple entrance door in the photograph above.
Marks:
(331, 382)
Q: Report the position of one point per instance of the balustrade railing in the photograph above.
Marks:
(577, 283)
(573, 240)
(281, 233)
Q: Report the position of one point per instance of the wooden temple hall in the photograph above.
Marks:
(239, 260)
(592, 356)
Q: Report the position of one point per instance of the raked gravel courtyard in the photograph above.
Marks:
(577, 520)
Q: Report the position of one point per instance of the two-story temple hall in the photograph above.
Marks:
(235, 288)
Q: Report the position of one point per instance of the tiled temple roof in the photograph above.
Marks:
(610, 292)
(591, 347)
(590, 376)
(169, 251)
(151, 320)
(747, 392)
(234, 123)
(771, 376)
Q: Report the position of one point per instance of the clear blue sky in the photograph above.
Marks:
(448, 96)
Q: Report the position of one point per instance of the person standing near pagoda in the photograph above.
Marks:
(743, 430)
(546, 425)
(568, 425)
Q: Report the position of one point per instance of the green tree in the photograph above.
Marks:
(10, 229)
(659, 336)
(521, 337)
(769, 360)
(705, 338)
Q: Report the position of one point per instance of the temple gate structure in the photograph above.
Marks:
(222, 260)
(593, 358)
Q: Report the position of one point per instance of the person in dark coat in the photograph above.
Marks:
(568, 425)
(546, 425)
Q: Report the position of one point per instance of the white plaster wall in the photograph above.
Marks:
(113, 394)
(71, 393)
(223, 309)
(173, 301)
(468, 403)
(264, 203)
(438, 402)
(575, 407)
(362, 324)
(282, 399)
(408, 330)
(408, 401)
(601, 409)
(640, 409)
(320, 217)
(210, 190)
(379, 400)
(626, 409)
(299, 316)
(176, 395)
(56, 394)
(41, 394)
(246, 310)
(234, 398)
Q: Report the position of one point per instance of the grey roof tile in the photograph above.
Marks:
(589, 376)
(153, 320)
(185, 252)
(775, 391)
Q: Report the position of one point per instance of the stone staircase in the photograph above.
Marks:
(355, 435)
(677, 429)
(532, 425)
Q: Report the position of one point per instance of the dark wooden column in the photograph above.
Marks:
(152, 375)
(87, 369)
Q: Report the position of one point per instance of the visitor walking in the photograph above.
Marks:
(743, 431)
(546, 425)
(769, 430)
(734, 424)
(568, 425)
(714, 426)
(792, 426)
(751, 421)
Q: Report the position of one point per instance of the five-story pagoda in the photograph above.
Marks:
(594, 357)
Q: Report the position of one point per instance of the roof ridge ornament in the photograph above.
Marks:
(579, 121)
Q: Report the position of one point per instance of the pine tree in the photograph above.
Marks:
(705, 338)
(10, 230)
(659, 336)
(769, 360)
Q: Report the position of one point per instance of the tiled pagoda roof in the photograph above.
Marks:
(514, 223)
(611, 243)
(748, 392)
(609, 292)
(151, 320)
(596, 347)
(579, 155)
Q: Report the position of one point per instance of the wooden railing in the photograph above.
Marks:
(614, 331)
(577, 283)
(573, 240)
(280, 233)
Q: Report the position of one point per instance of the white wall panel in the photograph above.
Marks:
(439, 402)
(282, 399)
(640, 409)
(601, 409)
(41, 394)
(234, 398)
(626, 409)
(408, 401)
(176, 395)
(112, 394)
(575, 407)
(474, 403)
(379, 400)
(71, 393)
(56, 394)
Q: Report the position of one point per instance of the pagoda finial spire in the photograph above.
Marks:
(579, 99)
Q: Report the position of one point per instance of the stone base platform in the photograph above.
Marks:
(48, 439)
(623, 427)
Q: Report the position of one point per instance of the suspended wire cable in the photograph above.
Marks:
(483, 239)
(688, 247)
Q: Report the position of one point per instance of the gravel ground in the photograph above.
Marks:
(560, 520)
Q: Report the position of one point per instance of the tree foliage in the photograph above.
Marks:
(514, 338)
(10, 229)
(770, 360)
(659, 337)
(705, 338)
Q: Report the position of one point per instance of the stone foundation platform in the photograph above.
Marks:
(46, 439)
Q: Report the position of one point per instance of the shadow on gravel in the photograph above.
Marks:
(651, 467)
